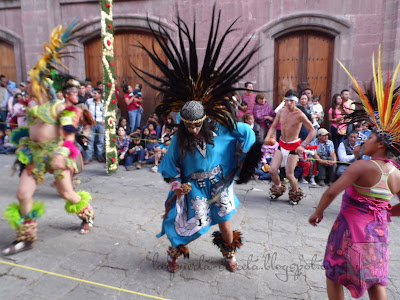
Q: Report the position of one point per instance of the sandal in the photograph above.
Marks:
(16, 247)
(231, 264)
(86, 226)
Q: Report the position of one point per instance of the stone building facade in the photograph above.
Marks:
(346, 30)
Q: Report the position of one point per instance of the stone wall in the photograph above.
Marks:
(358, 26)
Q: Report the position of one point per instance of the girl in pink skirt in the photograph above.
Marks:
(357, 253)
(357, 250)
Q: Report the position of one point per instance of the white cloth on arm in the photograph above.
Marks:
(343, 157)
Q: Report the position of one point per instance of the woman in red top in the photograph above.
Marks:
(133, 105)
(336, 117)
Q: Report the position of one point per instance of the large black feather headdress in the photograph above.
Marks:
(211, 84)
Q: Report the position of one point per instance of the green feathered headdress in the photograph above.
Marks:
(42, 74)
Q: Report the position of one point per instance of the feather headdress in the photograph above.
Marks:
(211, 84)
(380, 106)
(41, 74)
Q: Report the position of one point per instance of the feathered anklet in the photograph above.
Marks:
(228, 250)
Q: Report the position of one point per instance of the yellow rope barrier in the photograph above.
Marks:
(81, 280)
(310, 159)
(92, 133)
(335, 161)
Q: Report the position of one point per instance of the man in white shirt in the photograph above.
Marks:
(3, 106)
(96, 143)
(346, 153)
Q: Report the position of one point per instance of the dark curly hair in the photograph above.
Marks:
(186, 140)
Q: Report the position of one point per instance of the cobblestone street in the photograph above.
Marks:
(281, 257)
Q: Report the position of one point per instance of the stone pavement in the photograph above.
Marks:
(280, 259)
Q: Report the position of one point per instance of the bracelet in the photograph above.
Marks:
(304, 144)
(175, 185)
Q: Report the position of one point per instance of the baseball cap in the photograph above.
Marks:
(22, 84)
(323, 131)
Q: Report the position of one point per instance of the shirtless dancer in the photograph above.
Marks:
(290, 146)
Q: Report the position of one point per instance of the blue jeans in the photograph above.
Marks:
(336, 137)
(263, 175)
(4, 150)
(158, 131)
(96, 143)
(134, 119)
(340, 169)
(326, 172)
(151, 160)
(137, 156)
(3, 119)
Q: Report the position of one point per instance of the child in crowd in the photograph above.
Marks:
(138, 130)
(154, 119)
(317, 111)
(268, 151)
(150, 150)
(357, 127)
(365, 132)
(27, 97)
(60, 96)
(363, 135)
(308, 165)
(169, 121)
(145, 134)
(7, 146)
(122, 144)
(249, 119)
(137, 92)
(169, 130)
(164, 147)
(151, 128)
(20, 110)
(136, 153)
(242, 110)
(124, 123)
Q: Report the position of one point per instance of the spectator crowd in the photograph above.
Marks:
(333, 149)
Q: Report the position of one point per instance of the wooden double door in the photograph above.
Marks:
(7, 61)
(304, 59)
(126, 53)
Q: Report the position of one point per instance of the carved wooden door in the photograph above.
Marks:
(125, 53)
(7, 61)
(304, 59)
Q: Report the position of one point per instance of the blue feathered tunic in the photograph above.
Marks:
(192, 215)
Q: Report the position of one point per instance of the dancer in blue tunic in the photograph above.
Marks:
(205, 169)
(209, 146)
